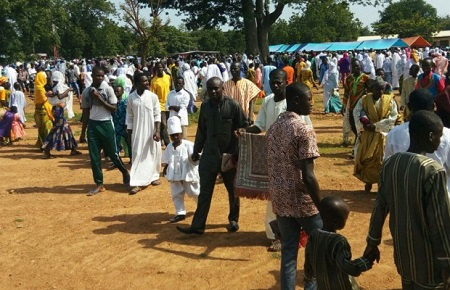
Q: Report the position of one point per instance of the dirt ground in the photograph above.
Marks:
(52, 236)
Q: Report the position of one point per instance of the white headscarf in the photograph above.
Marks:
(61, 87)
(307, 65)
(185, 67)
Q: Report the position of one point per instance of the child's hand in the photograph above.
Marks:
(372, 253)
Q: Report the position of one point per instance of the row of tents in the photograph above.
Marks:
(375, 44)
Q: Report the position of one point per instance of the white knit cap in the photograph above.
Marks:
(174, 125)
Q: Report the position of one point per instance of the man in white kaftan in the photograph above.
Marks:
(395, 72)
(143, 120)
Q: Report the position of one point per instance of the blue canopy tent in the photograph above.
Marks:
(275, 48)
(283, 48)
(295, 47)
(316, 47)
(379, 44)
(343, 46)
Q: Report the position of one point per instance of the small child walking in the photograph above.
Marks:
(17, 127)
(61, 136)
(328, 254)
(5, 127)
(179, 169)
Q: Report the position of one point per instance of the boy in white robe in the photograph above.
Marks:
(179, 169)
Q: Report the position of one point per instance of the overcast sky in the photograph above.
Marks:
(366, 14)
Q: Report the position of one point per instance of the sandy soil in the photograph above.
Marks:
(55, 237)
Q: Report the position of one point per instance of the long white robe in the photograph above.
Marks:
(142, 113)
(190, 82)
(395, 73)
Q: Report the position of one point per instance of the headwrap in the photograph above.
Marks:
(40, 97)
(120, 82)
(186, 67)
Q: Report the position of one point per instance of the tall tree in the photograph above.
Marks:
(445, 23)
(324, 21)
(148, 33)
(255, 16)
(408, 18)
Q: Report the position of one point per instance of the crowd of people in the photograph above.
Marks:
(142, 111)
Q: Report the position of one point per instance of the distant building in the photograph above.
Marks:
(442, 38)
(376, 37)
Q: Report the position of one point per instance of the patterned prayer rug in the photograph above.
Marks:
(252, 180)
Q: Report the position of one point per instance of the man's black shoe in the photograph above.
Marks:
(233, 227)
(190, 230)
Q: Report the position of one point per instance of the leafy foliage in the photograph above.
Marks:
(321, 21)
(408, 18)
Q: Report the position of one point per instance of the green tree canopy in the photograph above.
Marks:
(321, 21)
(255, 16)
(408, 18)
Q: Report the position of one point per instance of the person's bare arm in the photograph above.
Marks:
(84, 120)
(64, 94)
(310, 180)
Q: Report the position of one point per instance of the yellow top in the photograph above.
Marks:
(40, 98)
(161, 87)
(2, 94)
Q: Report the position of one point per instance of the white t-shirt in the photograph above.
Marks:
(398, 141)
(269, 112)
(97, 111)
(180, 99)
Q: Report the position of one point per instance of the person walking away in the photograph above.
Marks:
(409, 85)
(328, 254)
(18, 100)
(412, 190)
(293, 186)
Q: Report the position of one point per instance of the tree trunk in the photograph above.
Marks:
(251, 36)
(263, 42)
(143, 53)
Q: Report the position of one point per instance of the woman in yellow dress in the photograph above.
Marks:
(306, 76)
(43, 109)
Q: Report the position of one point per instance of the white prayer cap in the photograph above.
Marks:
(174, 125)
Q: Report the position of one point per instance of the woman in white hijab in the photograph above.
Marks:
(330, 82)
(62, 93)
(190, 81)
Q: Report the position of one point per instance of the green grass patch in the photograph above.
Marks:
(276, 256)
(193, 118)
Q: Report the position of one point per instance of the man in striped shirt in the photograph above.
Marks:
(413, 190)
(241, 90)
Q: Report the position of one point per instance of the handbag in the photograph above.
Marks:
(228, 162)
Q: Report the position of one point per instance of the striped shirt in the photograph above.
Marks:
(329, 259)
(242, 91)
(354, 89)
(412, 189)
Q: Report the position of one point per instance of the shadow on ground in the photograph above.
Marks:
(157, 223)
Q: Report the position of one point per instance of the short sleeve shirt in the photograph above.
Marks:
(97, 111)
(290, 140)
